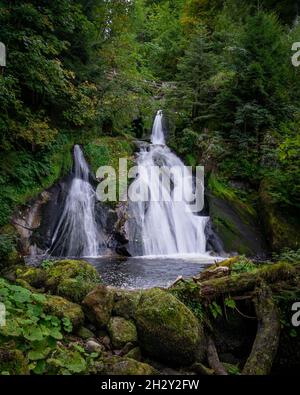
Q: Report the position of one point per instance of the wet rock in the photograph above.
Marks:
(121, 331)
(98, 305)
(62, 308)
(236, 223)
(167, 329)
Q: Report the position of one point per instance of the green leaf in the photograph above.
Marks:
(230, 303)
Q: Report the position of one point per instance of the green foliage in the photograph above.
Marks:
(288, 255)
(215, 309)
(33, 331)
(243, 265)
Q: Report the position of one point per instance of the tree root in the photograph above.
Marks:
(267, 337)
(213, 358)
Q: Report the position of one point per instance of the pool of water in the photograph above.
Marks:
(148, 272)
(143, 272)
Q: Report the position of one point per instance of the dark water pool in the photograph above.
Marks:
(142, 272)
(145, 272)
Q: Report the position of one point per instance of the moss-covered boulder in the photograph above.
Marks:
(125, 303)
(98, 305)
(63, 308)
(12, 362)
(167, 329)
(124, 366)
(72, 279)
(121, 332)
(34, 276)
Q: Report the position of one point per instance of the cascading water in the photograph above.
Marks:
(167, 227)
(76, 233)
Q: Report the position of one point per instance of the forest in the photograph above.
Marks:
(93, 73)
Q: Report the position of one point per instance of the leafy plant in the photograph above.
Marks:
(33, 331)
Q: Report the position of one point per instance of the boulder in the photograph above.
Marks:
(62, 308)
(72, 279)
(167, 329)
(124, 366)
(98, 305)
(34, 276)
(121, 332)
(125, 303)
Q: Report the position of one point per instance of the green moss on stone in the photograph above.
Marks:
(124, 366)
(121, 332)
(72, 279)
(167, 329)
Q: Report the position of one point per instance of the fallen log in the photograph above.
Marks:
(245, 282)
(266, 341)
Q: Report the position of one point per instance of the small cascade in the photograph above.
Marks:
(77, 233)
(168, 226)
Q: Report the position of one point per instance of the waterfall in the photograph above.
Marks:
(76, 233)
(167, 226)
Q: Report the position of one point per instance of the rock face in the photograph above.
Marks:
(236, 225)
(167, 329)
(121, 332)
(282, 229)
(98, 305)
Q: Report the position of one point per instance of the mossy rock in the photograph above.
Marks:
(168, 330)
(121, 332)
(125, 303)
(135, 353)
(98, 305)
(35, 277)
(72, 279)
(12, 362)
(84, 333)
(63, 308)
(124, 367)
